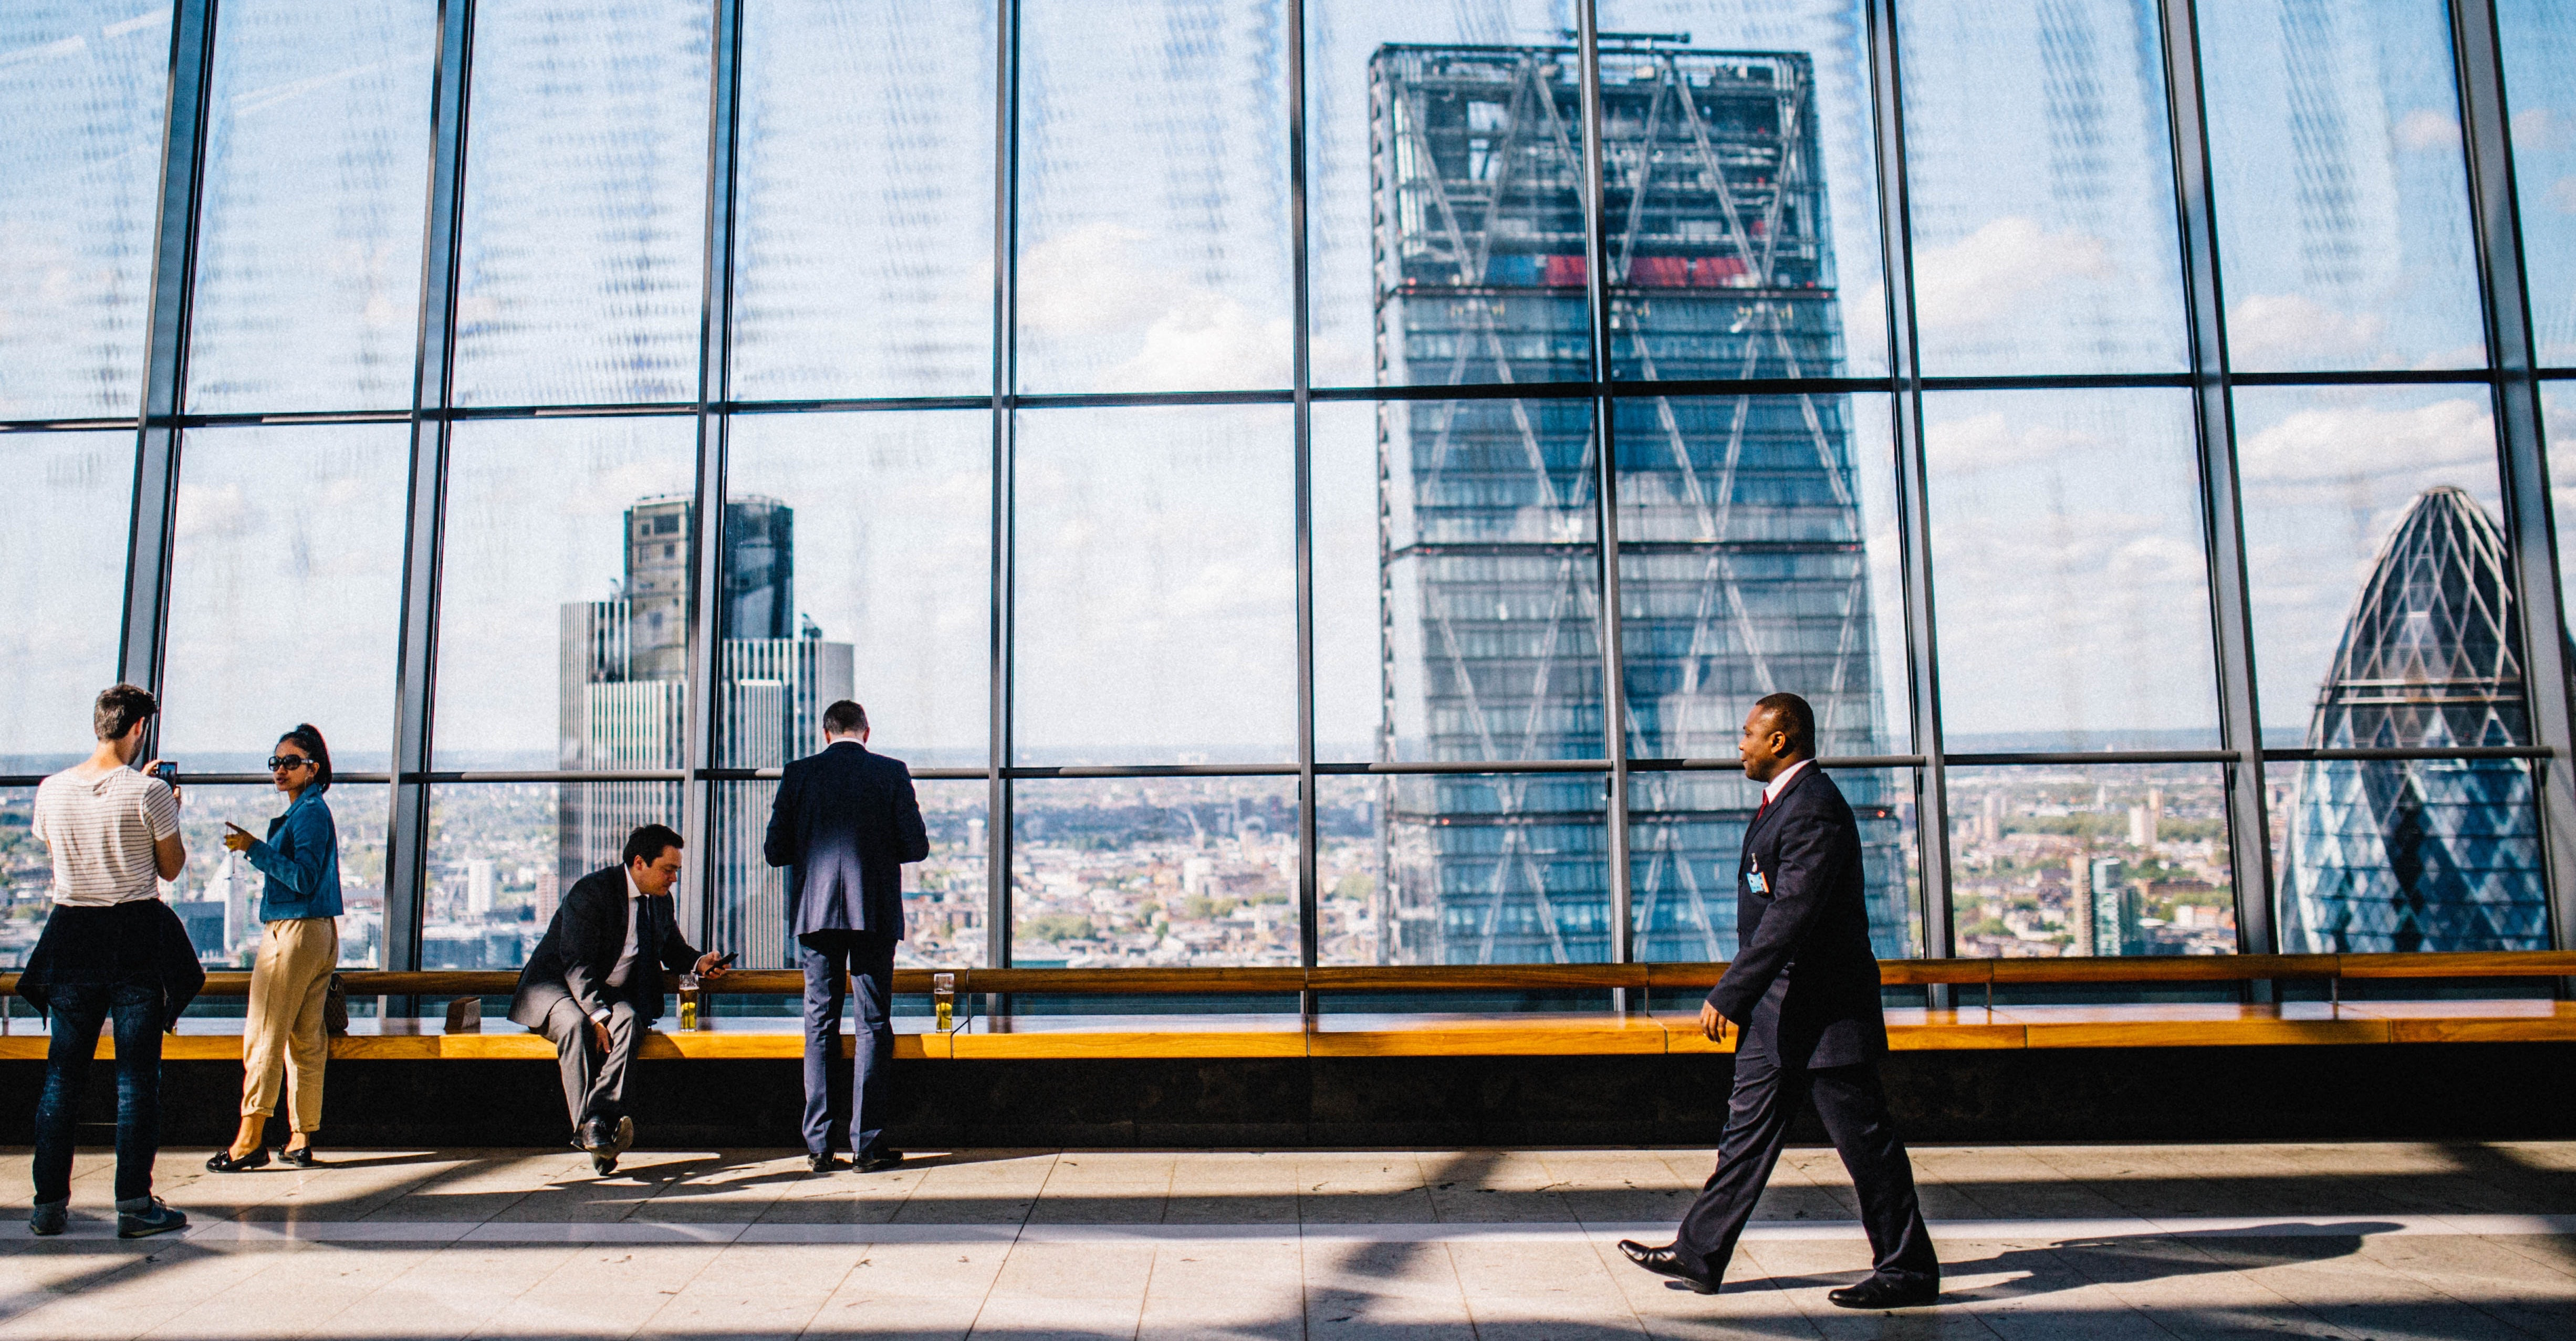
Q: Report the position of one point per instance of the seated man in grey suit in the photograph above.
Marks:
(594, 984)
(844, 824)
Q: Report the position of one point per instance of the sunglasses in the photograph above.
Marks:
(278, 761)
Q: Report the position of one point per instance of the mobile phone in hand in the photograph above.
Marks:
(166, 771)
(725, 960)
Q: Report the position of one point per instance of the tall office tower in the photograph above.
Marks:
(625, 700)
(2421, 854)
(1741, 545)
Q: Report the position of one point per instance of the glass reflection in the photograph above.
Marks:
(308, 254)
(83, 88)
(1387, 214)
(2073, 586)
(1154, 872)
(2385, 856)
(2538, 43)
(2100, 859)
(2342, 190)
(582, 273)
(28, 868)
(2040, 173)
(943, 897)
(1768, 170)
(501, 856)
(2331, 477)
(1464, 869)
(1686, 837)
(217, 896)
(1457, 584)
(1155, 615)
(1153, 197)
(885, 550)
(876, 282)
(1759, 552)
(564, 594)
(64, 503)
(285, 594)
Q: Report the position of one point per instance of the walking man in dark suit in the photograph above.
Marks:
(594, 984)
(844, 824)
(1803, 994)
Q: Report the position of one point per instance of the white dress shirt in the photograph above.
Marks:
(1770, 794)
(626, 957)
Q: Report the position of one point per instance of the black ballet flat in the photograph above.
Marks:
(223, 1162)
(299, 1156)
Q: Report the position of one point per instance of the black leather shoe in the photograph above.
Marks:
(823, 1163)
(223, 1162)
(602, 1163)
(1887, 1292)
(878, 1160)
(1663, 1262)
(599, 1137)
(301, 1156)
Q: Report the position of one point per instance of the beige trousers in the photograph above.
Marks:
(283, 1039)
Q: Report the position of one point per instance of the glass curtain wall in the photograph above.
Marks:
(1313, 481)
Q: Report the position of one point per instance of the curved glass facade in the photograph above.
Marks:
(1314, 483)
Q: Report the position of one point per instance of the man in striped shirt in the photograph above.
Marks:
(110, 950)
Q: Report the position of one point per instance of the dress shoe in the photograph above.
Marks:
(822, 1163)
(602, 1163)
(597, 1135)
(878, 1160)
(624, 1138)
(224, 1161)
(1887, 1292)
(1664, 1262)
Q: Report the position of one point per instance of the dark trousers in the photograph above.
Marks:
(78, 1011)
(1854, 1108)
(594, 1084)
(831, 959)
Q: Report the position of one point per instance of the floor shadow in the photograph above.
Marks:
(2119, 1259)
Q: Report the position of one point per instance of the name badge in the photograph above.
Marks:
(1757, 883)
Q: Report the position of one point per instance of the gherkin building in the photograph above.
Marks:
(2421, 854)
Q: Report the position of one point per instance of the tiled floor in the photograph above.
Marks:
(2098, 1242)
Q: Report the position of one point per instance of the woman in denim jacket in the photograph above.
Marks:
(299, 945)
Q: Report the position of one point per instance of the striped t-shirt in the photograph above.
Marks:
(101, 827)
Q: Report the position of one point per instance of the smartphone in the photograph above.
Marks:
(724, 961)
(166, 771)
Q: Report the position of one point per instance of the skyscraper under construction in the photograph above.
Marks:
(1741, 550)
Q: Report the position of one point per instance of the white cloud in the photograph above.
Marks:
(2562, 195)
(1990, 441)
(2425, 128)
(2538, 128)
(1095, 286)
(2270, 326)
(1983, 276)
(209, 510)
(2346, 442)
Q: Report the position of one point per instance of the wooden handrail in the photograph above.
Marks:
(1518, 977)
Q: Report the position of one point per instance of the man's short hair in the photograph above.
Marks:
(845, 718)
(1791, 717)
(119, 707)
(649, 843)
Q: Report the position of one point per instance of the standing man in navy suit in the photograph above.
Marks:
(844, 824)
(1803, 994)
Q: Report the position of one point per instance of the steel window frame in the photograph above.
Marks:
(2513, 379)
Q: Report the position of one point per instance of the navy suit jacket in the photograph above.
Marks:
(582, 946)
(1804, 983)
(844, 824)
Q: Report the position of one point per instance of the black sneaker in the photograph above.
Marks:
(142, 1217)
(50, 1218)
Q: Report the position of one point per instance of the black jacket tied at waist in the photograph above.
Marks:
(138, 941)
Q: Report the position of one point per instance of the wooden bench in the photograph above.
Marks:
(1312, 1032)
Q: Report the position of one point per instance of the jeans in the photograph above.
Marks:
(78, 1011)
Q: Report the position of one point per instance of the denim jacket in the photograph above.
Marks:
(301, 858)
